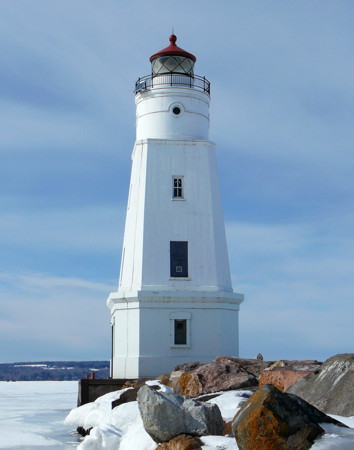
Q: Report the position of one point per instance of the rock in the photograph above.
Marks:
(331, 387)
(207, 397)
(181, 442)
(276, 365)
(165, 379)
(137, 383)
(222, 374)
(188, 367)
(167, 415)
(281, 377)
(254, 366)
(189, 383)
(127, 396)
(273, 420)
(283, 374)
(82, 431)
(227, 428)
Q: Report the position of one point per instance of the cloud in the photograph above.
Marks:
(298, 286)
(87, 229)
(46, 312)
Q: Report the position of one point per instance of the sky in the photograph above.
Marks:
(281, 78)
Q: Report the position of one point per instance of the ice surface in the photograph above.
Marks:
(32, 414)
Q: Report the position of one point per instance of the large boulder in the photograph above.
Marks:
(273, 420)
(222, 374)
(283, 374)
(281, 377)
(331, 388)
(166, 415)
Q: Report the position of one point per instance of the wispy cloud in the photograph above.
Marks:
(298, 281)
(42, 312)
(87, 229)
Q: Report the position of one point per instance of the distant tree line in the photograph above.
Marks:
(53, 370)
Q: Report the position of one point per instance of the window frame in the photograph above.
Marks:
(181, 188)
(176, 316)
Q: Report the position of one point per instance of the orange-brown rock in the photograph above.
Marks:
(190, 385)
(273, 420)
(181, 442)
(281, 377)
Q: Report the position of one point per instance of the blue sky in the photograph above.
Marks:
(282, 119)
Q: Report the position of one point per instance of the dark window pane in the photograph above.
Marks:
(179, 258)
(181, 332)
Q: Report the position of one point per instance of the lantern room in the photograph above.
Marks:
(172, 59)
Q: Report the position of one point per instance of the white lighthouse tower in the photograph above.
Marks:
(175, 301)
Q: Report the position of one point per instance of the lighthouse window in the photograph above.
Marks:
(180, 332)
(180, 329)
(177, 109)
(179, 259)
(177, 187)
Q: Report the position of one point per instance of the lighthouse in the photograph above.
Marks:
(175, 301)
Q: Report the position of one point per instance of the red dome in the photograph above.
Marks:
(172, 49)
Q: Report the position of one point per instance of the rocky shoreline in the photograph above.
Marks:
(282, 404)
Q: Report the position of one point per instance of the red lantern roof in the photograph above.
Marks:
(172, 49)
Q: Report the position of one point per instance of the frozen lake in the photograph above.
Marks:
(32, 415)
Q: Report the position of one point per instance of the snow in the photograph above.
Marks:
(230, 402)
(32, 414)
(335, 438)
(30, 365)
(94, 413)
(219, 443)
(122, 427)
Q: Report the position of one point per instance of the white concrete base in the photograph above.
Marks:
(143, 339)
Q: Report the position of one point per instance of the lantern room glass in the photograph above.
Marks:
(172, 64)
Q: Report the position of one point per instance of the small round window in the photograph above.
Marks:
(176, 109)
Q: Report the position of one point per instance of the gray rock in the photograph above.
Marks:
(167, 415)
(127, 396)
(331, 387)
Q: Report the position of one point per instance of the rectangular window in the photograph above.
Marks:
(180, 332)
(177, 187)
(179, 258)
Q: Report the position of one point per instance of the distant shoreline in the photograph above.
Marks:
(53, 370)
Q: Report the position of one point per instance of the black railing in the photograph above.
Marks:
(172, 79)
